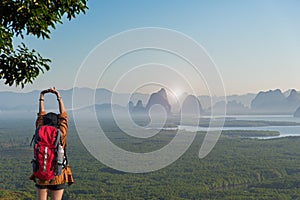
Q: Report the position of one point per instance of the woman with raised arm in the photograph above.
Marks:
(57, 185)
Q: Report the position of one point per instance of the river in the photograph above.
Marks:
(285, 131)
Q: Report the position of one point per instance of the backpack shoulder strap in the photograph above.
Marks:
(35, 136)
(32, 139)
(58, 139)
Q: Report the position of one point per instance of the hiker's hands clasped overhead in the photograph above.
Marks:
(51, 90)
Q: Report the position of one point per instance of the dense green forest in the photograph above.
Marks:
(237, 168)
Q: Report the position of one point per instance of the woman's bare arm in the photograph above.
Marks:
(59, 99)
(41, 101)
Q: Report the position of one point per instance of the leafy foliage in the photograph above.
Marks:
(237, 168)
(17, 195)
(29, 17)
(250, 133)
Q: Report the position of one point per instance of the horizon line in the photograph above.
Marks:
(86, 87)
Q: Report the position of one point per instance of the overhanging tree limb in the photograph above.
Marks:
(21, 66)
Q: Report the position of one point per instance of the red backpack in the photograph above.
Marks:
(46, 163)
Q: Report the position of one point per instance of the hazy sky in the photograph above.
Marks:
(255, 44)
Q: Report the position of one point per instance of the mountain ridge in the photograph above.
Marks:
(264, 102)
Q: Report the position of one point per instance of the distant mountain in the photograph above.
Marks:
(294, 96)
(265, 102)
(159, 98)
(192, 106)
(18, 101)
(293, 101)
(245, 99)
(275, 102)
(138, 108)
(232, 108)
(89, 96)
(287, 92)
(13, 101)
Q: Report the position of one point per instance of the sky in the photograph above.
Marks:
(255, 45)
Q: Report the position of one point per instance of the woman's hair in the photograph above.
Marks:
(51, 119)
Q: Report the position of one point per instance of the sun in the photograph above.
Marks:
(175, 94)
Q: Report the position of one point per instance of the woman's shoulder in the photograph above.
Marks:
(63, 115)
